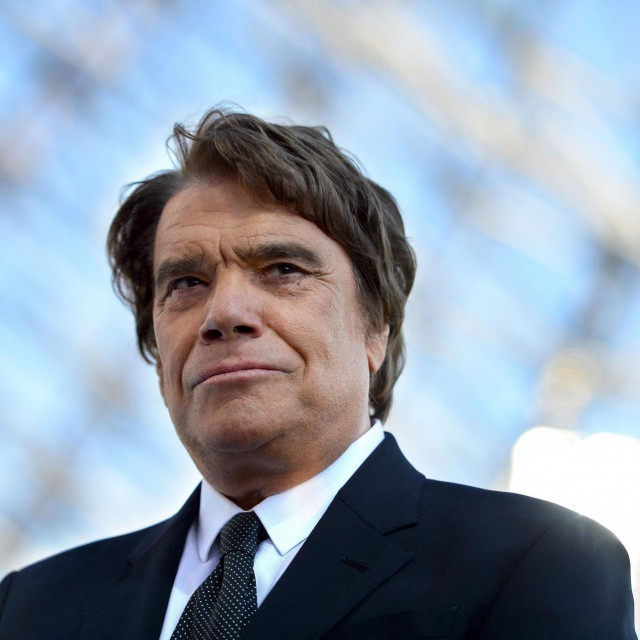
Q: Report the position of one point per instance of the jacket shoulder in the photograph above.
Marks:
(98, 557)
(67, 586)
(107, 556)
(504, 514)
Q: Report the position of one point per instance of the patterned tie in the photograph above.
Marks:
(221, 606)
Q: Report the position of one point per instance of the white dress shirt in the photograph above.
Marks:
(288, 518)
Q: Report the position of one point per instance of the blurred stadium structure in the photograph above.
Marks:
(508, 131)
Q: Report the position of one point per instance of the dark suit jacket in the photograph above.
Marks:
(396, 556)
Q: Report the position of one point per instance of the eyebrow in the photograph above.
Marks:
(176, 267)
(281, 251)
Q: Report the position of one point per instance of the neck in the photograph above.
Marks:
(247, 478)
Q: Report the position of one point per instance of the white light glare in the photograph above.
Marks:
(597, 475)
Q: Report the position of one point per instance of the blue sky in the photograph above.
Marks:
(515, 262)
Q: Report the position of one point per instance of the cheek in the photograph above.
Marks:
(331, 336)
(171, 351)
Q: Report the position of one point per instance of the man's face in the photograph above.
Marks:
(262, 346)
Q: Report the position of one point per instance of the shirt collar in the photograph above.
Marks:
(290, 516)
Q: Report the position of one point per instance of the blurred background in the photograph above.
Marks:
(506, 129)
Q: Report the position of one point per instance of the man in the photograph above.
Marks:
(268, 279)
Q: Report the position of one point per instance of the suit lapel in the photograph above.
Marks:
(346, 557)
(348, 554)
(133, 603)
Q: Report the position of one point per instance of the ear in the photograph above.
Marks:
(376, 348)
(160, 379)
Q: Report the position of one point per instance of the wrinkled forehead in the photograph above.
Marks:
(215, 196)
(225, 216)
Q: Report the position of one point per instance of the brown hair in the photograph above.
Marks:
(294, 166)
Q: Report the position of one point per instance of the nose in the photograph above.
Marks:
(232, 310)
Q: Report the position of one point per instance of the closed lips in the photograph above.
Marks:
(222, 369)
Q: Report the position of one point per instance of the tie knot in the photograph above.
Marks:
(241, 533)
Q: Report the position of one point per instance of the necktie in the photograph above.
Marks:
(221, 606)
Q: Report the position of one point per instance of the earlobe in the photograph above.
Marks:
(377, 348)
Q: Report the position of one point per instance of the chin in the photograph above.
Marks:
(229, 436)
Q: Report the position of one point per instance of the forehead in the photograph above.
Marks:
(223, 211)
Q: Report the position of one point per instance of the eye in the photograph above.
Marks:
(278, 274)
(182, 284)
(282, 271)
(284, 268)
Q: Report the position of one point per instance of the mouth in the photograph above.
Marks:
(239, 372)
